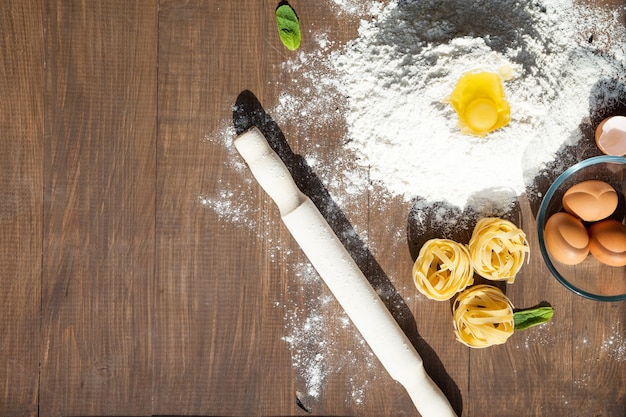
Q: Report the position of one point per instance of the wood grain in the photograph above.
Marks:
(21, 198)
(144, 272)
(208, 273)
(99, 211)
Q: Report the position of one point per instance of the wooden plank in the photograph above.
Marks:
(210, 273)
(21, 185)
(99, 213)
(599, 359)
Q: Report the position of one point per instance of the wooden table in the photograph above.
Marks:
(126, 291)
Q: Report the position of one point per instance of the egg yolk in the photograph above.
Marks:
(480, 103)
(481, 114)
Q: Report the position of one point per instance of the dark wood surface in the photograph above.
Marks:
(123, 294)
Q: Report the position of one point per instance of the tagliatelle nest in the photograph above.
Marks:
(483, 317)
(497, 249)
(442, 268)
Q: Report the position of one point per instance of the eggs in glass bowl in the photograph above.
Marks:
(582, 231)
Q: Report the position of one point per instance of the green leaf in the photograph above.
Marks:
(288, 27)
(528, 318)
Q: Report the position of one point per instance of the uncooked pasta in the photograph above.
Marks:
(483, 317)
(442, 269)
(497, 249)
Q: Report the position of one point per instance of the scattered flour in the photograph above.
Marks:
(312, 328)
(312, 334)
(356, 7)
(545, 335)
(614, 346)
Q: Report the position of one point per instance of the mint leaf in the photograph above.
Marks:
(288, 27)
(528, 318)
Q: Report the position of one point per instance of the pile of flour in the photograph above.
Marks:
(407, 59)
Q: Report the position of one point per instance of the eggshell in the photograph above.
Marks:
(590, 200)
(611, 135)
(566, 238)
(607, 242)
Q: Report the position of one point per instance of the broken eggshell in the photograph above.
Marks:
(611, 135)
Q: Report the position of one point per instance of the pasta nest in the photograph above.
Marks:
(483, 317)
(497, 249)
(442, 268)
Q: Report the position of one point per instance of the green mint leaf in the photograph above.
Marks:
(528, 318)
(288, 27)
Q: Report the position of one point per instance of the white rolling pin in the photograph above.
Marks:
(342, 276)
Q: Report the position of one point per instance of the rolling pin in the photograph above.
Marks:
(342, 276)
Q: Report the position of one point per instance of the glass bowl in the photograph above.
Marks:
(590, 279)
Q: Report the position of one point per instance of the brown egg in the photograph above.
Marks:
(566, 238)
(590, 200)
(607, 242)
